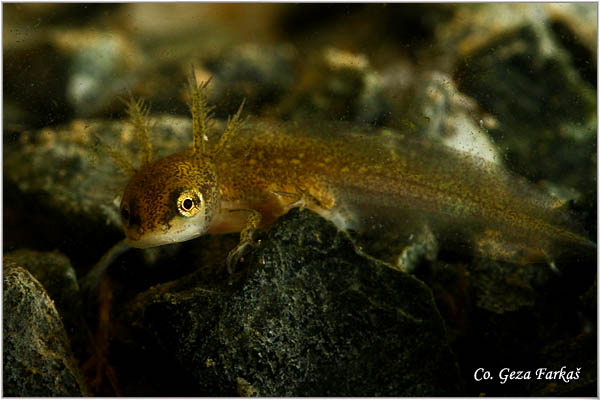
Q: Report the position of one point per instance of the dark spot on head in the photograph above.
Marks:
(134, 216)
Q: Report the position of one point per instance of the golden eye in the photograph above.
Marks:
(189, 203)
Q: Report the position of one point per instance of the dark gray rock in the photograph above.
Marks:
(502, 287)
(258, 73)
(338, 86)
(575, 355)
(54, 271)
(37, 359)
(545, 109)
(499, 315)
(309, 317)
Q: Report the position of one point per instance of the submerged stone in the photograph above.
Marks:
(37, 359)
(310, 316)
(54, 271)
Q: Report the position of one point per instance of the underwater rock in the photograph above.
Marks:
(337, 85)
(501, 287)
(576, 26)
(522, 75)
(308, 317)
(439, 112)
(258, 74)
(576, 354)
(54, 271)
(473, 25)
(102, 67)
(499, 314)
(54, 74)
(37, 359)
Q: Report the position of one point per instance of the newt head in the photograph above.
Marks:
(175, 198)
(170, 200)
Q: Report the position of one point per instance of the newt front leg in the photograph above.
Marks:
(252, 223)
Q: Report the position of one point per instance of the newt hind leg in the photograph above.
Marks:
(318, 199)
(494, 246)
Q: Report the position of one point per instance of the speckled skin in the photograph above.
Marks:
(354, 178)
(150, 195)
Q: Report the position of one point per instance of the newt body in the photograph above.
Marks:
(358, 180)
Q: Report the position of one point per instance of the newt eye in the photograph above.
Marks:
(189, 202)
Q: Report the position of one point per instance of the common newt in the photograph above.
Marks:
(255, 172)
